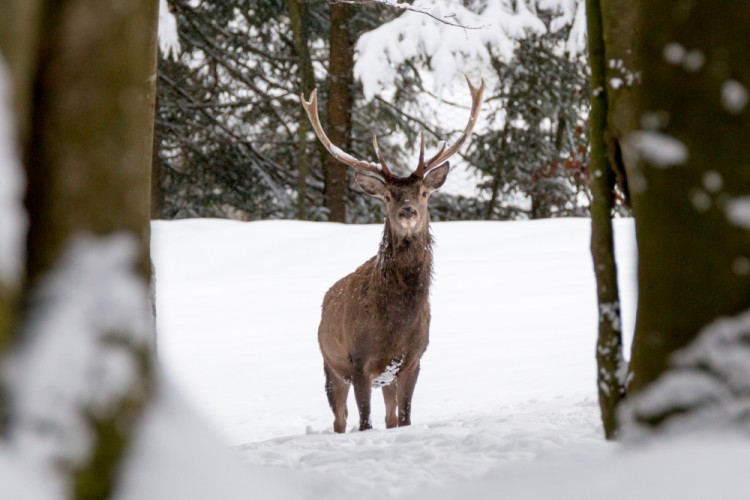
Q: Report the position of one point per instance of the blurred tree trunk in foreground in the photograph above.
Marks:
(690, 180)
(89, 85)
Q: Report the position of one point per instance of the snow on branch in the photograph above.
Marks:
(169, 41)
(88, 319)
(450, 52)
(12, 215)
(434, 13)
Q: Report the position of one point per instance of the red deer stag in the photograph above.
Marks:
(375, 322)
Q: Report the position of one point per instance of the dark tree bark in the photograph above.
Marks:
(621, 32)
(298, 12)
(688, 189)
(340, 73)
(609, 357)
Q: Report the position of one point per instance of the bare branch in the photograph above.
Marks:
(409, 7)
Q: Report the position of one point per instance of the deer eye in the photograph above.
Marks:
(387, 198)
(424, 194)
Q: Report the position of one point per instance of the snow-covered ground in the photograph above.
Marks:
(509, 377)
(506, 402)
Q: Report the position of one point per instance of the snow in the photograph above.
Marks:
(693, 61)
(510, 374)
(733, 96)
(506, 402)
(712, 181)
(738, 211)
(615, 83)
(169, 41)
(690, 60)
(659, 149)
(77, 362)
(12, 217)
(20, 482)
(389, 373)
(505, 406)
(674, 53)
(707, 386)
(175, 455)
(700, 199)
(453, 51)
(258, 299)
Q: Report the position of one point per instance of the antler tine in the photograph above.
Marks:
(420, 167)
(476, 102)
(311, 107)
(385, 171)
(442, 145)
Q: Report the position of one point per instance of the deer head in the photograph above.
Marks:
(405, 197)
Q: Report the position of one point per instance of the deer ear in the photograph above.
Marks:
(436, 177)
(370, 184)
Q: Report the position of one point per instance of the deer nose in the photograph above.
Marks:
(407, 212)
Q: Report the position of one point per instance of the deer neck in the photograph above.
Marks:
(404, 264)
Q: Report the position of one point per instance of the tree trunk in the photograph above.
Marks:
(157, 176)
(340, 72)
(92, 128)
(19, 39)
(298, 17)
(610, 382)
(692, 186)
(91, 86)
(621, 31)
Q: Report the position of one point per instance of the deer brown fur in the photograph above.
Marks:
(375, 322)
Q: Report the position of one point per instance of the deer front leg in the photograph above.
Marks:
(337, 390)
(362, 393)
(406, 380)
(391, 405)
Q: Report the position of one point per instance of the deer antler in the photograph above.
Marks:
(443, 154)
(311, 107)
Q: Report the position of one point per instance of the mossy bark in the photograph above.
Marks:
(694, 256)
(341, 78)
(602, 183)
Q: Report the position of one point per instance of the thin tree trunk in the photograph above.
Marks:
(496, 178)
(610, 382)
(157, 177)
(691, 193)
(298, 17)
(340, 72)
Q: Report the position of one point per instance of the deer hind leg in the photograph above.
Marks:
(362, 393)
(337, 391)
(407, 380)
(391, 405)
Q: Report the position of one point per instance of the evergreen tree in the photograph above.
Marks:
(535, 160)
